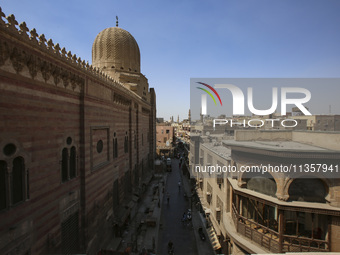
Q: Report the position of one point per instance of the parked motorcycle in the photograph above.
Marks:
(189, 214)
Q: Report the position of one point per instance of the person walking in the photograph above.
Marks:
(184, 217)
(168, 197)
(170, 247)
(179, 185)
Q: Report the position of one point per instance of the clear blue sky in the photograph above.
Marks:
(187, 39)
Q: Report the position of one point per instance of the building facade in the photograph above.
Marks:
(165, 137)
(271, 212)
(77, 140)
(320, 122)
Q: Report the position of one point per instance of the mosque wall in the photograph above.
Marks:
(80, 138)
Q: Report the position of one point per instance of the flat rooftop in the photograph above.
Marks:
(278, 146)
(219, 149)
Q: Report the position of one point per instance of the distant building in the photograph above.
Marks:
(77, 141)
(321, 122)
(159, 120)
(165, 138)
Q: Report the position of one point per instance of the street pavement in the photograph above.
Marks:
(171, 226)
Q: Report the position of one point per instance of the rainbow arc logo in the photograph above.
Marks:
(204, 97)
(207, 91)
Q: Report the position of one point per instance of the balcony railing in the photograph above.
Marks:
(303, 244)
(262, 235)
(270, 240)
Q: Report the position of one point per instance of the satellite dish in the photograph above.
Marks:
(207, 133)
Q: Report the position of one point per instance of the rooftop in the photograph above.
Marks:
(219, 149)
(277, 146)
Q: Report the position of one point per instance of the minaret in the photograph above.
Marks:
(189, 116)
(178, 119)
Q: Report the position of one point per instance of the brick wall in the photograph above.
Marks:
(51, 102)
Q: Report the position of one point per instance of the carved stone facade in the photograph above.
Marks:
(116, 52)
(76, 146)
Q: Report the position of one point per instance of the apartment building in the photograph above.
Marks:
(269, 211)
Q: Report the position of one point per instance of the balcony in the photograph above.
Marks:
(275, 241)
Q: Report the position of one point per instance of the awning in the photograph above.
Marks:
(213, 238)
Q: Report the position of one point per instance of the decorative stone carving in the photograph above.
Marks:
(50, 45)
(34, 35)
(57, 49)
(45, 69)
(69, 54)
(65, 77)
(56, 74)
(12, 22)
(4, 52)
(32, 65)
(74, 58)
(73, 80)
(23, 29)
(42, 40)
(115, 46)
(119, 99)
(2, 15)
(18, 59)
(63, 52)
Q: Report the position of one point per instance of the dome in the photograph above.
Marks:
(115, 49)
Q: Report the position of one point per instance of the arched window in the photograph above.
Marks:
(68, 160)
(135, 140)
(64, 165)
(3, 188)
(115, 146)
(73, 159)
(308, 190)
(126, 143)
(263, 183)
(14, 182)
(18, 180)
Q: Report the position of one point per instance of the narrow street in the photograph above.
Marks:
(173, 228)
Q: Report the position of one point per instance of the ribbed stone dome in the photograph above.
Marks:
(115, 48)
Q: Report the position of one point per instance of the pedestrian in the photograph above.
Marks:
(168, 197)
(170, 247)
(184, 217)
(179, 185)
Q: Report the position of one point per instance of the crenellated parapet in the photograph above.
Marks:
(70, 74)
